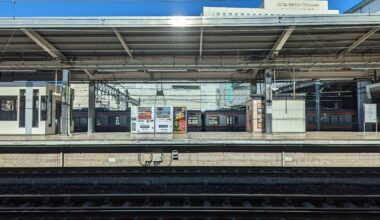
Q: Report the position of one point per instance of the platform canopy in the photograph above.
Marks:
(113, 48)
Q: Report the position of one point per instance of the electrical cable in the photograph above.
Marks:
(7, 44)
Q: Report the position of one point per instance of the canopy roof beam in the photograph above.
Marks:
(44, 44)
(359, 41)
(91, 74)
(201, 44)
(280, 42)
(123, 42)
(49, 48)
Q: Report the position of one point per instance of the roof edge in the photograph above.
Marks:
(182, 22)
(358, 6)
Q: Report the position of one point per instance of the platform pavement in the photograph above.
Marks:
(196, 138)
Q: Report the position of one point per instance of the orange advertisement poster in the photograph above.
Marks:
(180, 125)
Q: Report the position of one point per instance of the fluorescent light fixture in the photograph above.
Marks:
(117, 70)
(217, 70)
(18, 71)
(179, 21)
(165, 70)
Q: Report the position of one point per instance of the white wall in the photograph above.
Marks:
(12, 127)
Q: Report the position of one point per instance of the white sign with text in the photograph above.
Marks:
(370, 113)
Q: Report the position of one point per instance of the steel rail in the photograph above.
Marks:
(209, 171)
(180, 204)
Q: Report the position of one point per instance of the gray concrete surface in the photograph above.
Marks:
(196, 138)
(220, 159)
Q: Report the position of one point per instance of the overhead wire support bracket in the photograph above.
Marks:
(117, 94)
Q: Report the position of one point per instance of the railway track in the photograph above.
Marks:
(217, 206)
(206, 171)
(48, 198)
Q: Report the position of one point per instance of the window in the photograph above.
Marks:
(334, 119)
(213, 120)
(114, 121)
(311, 119)
(236, 14)
(35, 107)
(80, 121)
(127, 119)
(193, 120)
(224, 14)
(98, 120)
(76, 122)
(230, 14)
(83, 121)
(218, 14)
(325, 120)
(345, 119)
(21, 122)
(8, 109)
(43, 108)
(230, 120)
(236, 120)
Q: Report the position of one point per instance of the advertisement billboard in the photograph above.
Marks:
(180, 124)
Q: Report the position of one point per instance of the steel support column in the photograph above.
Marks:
(361, 100)
(29, 108)
(268, 101)
(66, 107)
(318, 105)
(91, 107)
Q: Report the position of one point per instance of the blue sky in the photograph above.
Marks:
(128, 7)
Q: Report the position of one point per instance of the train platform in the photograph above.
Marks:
(196, 139)
(312, 149)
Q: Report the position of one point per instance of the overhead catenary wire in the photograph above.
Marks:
(7, 44)
(63, 1)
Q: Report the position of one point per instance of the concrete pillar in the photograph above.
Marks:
(318, 104)
(91, 107)
(29, 108)
(268, 101)
(361, 100)
(66, 108)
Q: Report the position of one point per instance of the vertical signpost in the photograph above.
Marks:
(370, 115)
